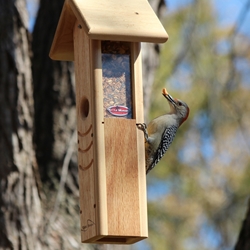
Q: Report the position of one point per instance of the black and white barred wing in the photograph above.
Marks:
(167, 138)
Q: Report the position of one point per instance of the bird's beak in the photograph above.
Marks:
(170, 99)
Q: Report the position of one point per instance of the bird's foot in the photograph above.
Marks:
(143, 127)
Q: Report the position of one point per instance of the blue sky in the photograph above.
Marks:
(32, 6)
(227, 11)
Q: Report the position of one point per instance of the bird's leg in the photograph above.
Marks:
(143, 127)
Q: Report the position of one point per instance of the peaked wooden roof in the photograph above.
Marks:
(123, 20)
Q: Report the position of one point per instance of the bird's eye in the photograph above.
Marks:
(179, 103)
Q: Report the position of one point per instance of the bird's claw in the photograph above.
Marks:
(143, 127)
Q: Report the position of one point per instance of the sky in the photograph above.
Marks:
(227, 11)
(32, 6)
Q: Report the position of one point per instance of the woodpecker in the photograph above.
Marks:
(160, 132)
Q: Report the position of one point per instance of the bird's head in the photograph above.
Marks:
(177, 107)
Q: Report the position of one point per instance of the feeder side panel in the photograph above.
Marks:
(136, 76)
(86, 162)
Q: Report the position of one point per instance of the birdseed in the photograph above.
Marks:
(116, 79)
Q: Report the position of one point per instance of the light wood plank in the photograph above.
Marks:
(62, 47)
(129, 20)
(99, 153)
(86, 163)
(122, 177)
(136, 75)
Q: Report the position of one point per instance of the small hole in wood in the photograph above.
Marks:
(94, 205)
(84, 107)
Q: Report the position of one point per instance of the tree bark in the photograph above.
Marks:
(54, 96)
(21, 212)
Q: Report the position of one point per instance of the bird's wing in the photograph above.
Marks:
(167, 138)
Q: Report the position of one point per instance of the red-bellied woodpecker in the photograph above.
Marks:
(160, 132)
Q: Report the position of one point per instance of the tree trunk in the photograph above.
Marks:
(54, 95)
(243, 242)
(21, 212)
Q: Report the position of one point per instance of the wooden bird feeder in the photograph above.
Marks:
(103, 38)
